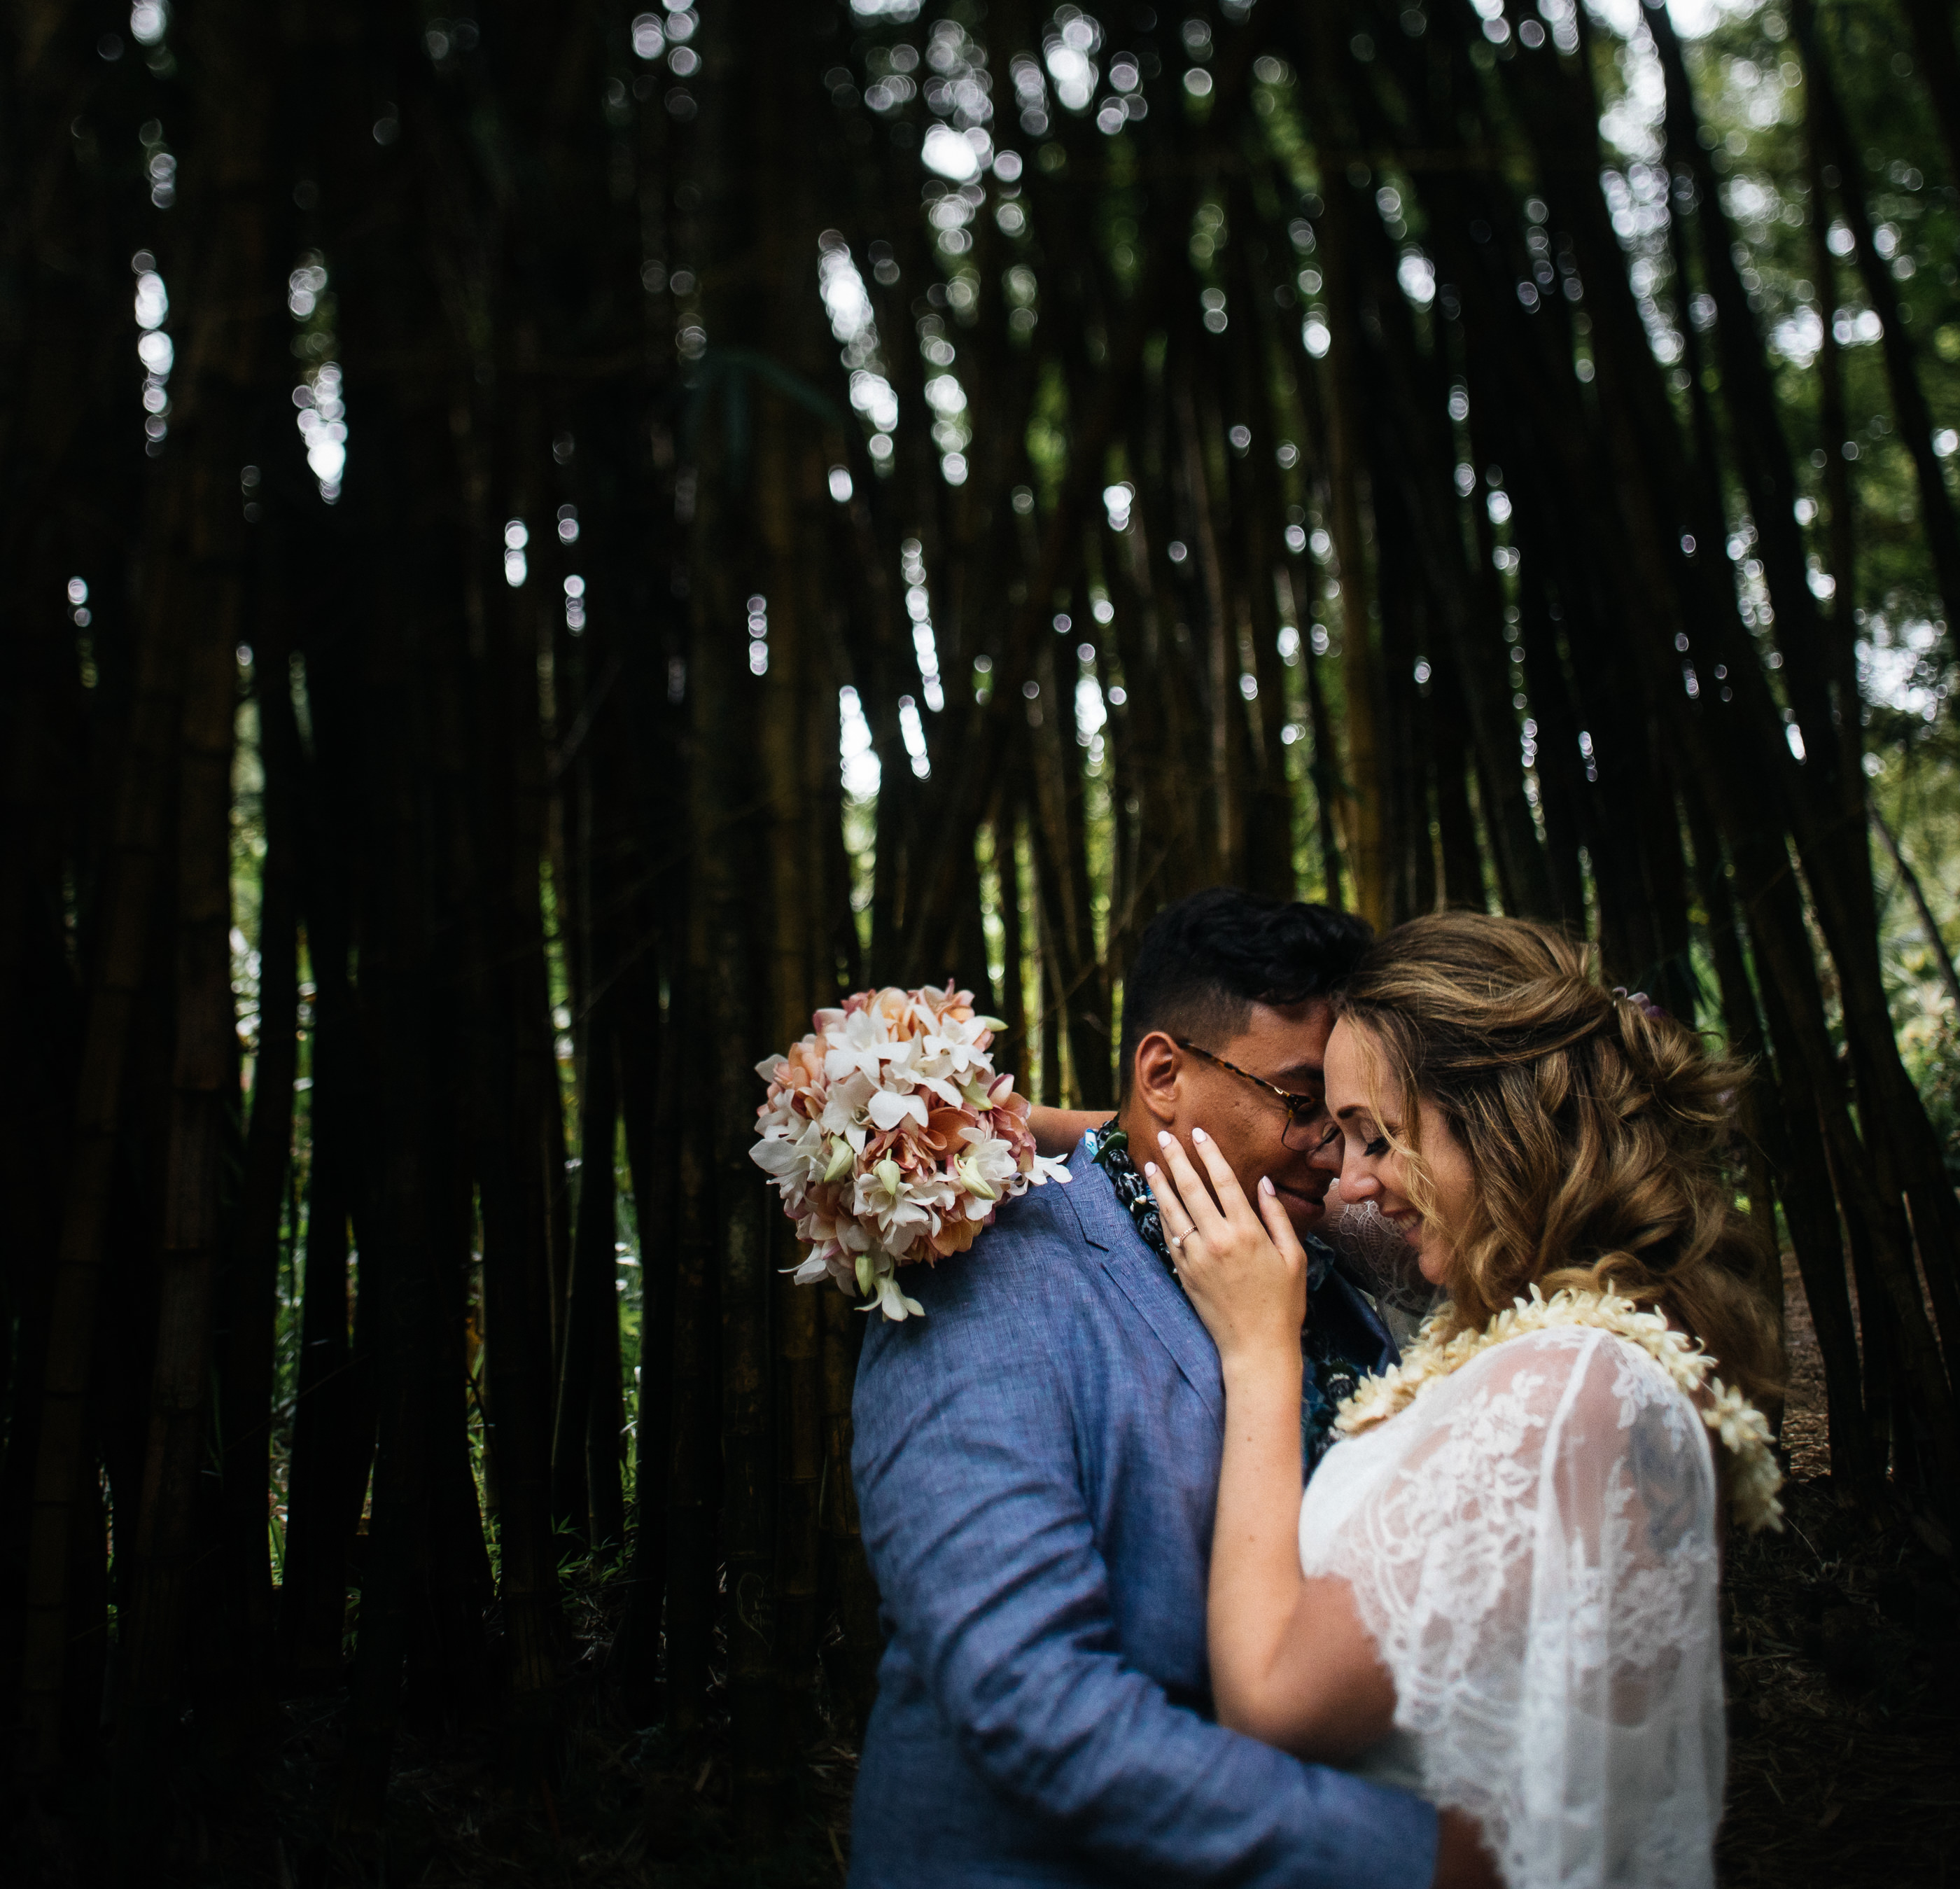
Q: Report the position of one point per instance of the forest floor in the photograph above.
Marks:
(1842, 1638)
(1843, 1656)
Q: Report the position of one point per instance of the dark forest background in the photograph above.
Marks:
(538, 548)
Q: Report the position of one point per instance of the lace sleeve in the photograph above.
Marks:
(1532, 1545)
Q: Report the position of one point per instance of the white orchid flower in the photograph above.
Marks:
(879, 1285)
(957, 1049)
(849, 1096)
(787, 1162)
(894, 1303)
(988, 1167)
(887, 1110)
(861, 1044)
(774, 1153)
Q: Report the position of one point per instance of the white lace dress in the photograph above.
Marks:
(1533, 1544)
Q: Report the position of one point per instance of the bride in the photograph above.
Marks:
(1499, 1589)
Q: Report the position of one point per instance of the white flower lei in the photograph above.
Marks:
(1743, 1429)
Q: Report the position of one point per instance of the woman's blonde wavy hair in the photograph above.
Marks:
(1595, 1132)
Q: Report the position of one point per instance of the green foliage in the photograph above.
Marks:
(1939, 1083)
(1915, 769)
(1048, 435)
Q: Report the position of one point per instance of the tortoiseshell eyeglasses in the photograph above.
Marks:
(1309, 1128)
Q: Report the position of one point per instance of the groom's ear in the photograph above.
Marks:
(1157, 1076)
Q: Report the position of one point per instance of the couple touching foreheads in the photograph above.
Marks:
(1186, 1580)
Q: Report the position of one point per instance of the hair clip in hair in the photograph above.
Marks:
(1648, 1008)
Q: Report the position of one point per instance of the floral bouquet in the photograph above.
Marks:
(891, 1140)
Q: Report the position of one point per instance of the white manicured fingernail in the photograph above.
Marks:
(1149, 1169)
(1163, 1138)
(1199, 1135)
(1265, 1185)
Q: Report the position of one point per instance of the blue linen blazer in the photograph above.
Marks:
(1036, 1466)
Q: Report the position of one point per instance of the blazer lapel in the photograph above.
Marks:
(1140, 1276)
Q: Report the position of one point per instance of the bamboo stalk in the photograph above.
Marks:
(1910, 413)
(853, 1666)
(60, 1465)
(332, 1436)
(585, 1485)
(1364, 796)
(1756, 433)
(1256, 511)
(167, 1548)
(784, 473)
(650, 1089)
(1834, 426)
(252, 1252)
(691, 1480)
(1933, 40)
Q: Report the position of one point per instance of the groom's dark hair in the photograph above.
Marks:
(1203, 963)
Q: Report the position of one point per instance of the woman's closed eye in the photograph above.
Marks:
(1369, 1136)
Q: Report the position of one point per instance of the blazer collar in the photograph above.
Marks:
(1140, 1276)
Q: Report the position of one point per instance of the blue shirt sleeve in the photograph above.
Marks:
(970, 1488)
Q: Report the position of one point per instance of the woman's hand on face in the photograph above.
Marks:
(1246, 1272)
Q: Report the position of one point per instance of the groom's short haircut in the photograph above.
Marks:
(1203, 963)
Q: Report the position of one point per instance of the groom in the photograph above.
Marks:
(1036, 1465)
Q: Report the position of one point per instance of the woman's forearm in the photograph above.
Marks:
(1256, 1576)
(1292, 1664)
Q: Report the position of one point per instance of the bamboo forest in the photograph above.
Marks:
(540, 548)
